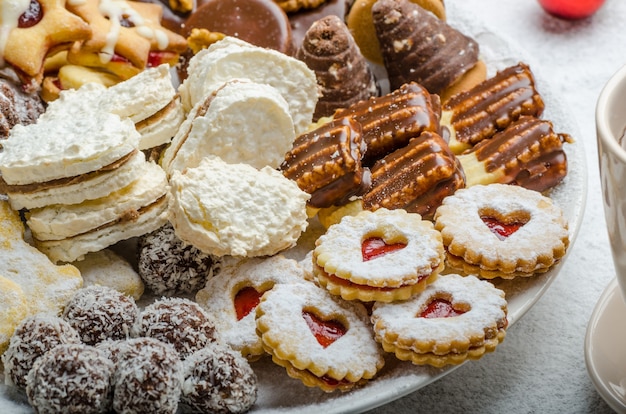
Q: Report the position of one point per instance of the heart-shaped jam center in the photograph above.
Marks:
(440, 308)
(246, 300)
(326, 332)
(376, 247)
(502, 229)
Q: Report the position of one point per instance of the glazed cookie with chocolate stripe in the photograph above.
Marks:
(384, 255)
(454, 319)
(233, 294)
(322, 340)
(501, 230)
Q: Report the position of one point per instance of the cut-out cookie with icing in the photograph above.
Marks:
(127, 37)
(454, 319)
(32, 29)
(384, 255)
(321, 340)
(501, 230)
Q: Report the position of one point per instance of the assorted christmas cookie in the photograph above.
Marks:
(454, 319)
(501, 230)
(231, 297)
(217, 379)
(71, 378)
(99, 313)
(177, 321)
(33, 337)
(321, 340)
(169, 266)
(384, 255)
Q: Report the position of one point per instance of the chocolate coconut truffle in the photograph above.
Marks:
(71, 378)
(99, 313)
(218, 379)
(167, 265)
(342, 73)
(148, 377)
(179, 322)
(35, 336)
(17, 107)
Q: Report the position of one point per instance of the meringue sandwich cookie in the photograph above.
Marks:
(68, 232)
(235, 209)
(69, 159)
(232, 58)
(150, 100)
(241, 122)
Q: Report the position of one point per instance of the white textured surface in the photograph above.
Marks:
(540, 367)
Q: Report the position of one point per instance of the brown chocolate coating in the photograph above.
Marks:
(390, 121)
(342, 73)
(260, 22)
(416, 177)
(302, 20)
(326, 163)
(528, 153)
(494, 104)
(417, 46)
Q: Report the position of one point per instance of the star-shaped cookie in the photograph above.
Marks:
(45, 26)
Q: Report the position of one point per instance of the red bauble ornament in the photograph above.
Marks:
(571, 9)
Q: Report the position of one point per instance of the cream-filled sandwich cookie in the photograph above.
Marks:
(235, 209)
(234, 293)
(67, 232)
(232, 58)
(69, 159)
(323, 341)
(241, 122)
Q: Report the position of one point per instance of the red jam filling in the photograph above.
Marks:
(246, 300)
(333, 382)
(376, 247)
(500, 229)
(440, 308)
(160, 57)
(31, 16)
(326, 332)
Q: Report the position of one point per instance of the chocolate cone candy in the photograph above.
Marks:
(417, 46)
(342, 73)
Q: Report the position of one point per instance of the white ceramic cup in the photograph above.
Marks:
(610, 129)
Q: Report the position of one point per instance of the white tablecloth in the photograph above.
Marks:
(540, 367)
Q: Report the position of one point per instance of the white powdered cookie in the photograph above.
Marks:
(241, 122)
(13, 309)
(235, 209)
(107, 268)
(232, 295)
(159, 128)
(232, 58)
(45, 287)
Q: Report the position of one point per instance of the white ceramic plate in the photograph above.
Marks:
(279, 393)
(605, 347)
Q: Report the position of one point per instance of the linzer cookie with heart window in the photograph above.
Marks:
(384, 255)
(322, 340)
(454, 319)
(232, 296)
(501, 230)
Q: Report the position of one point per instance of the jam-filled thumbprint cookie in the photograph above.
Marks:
(501, 230)
(454, 319)
(384, 255)
(320, 339)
